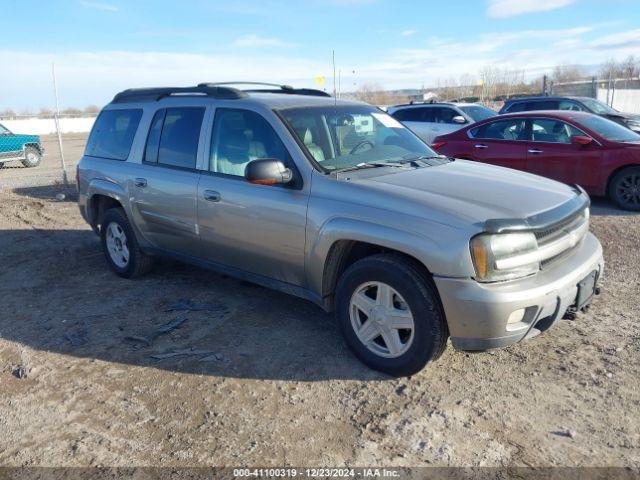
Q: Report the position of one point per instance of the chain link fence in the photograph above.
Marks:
(622, 94)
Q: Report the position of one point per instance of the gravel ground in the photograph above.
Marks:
(261, 378)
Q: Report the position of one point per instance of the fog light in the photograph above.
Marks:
(516, 316)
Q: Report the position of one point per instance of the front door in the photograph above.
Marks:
(551, 154)
(258, 229)
(501, 142)
(164, 186)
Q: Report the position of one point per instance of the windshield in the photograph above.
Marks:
(344, 136)
(596, 106)
(478, 112)
(609, 129)
(3, 130)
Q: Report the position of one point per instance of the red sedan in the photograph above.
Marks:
(573, 147)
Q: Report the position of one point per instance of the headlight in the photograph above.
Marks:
(491, 255)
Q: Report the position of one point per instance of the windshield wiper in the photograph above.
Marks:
(368, 165)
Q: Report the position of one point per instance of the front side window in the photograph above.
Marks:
(572, 106)
(112, 134)
(444, 115)
(552, 131)
(239, 137)
(512, 129)
(179, 138)
(344, 136)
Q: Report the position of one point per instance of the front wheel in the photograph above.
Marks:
(390, 314)
(120, 246)
(32, 157)
(624, 189)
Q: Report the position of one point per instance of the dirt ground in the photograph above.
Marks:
(265, 379)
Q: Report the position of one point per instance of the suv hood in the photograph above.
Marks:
(473, 192)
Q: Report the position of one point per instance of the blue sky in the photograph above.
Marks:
(102, 46)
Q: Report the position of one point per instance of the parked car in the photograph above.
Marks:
(428, 120)
(25, 148)
(574, 104)
(336, 202)
(601, 156)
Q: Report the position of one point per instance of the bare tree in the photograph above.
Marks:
(92, 109)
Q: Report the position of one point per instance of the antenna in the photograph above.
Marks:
(333, 57)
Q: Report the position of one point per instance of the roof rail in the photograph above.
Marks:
(137, 94)
(287, 89)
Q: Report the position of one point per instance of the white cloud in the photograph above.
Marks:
(509, 8)
(253, 40)
(618, 40)
(408, 33)
(106, 7)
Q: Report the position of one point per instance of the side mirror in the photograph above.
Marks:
(581, 140)
(267, 171)
(459, 119)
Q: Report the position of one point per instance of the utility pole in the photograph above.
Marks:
(333, 57)
(56, 117)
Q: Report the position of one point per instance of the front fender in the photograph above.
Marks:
(437, 255)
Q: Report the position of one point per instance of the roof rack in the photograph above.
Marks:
(287, 89)
(209, 90)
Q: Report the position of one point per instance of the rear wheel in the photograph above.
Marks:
(390, 314)
(32, 157)
(624, 188)
(120, 246)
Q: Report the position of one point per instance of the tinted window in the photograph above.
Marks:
(516, 107)
(572, 106)
(239, 137)
(179, 138)
(512, 129)
(608, 129)
(112, 134)
(410, 115)
(545, 105)
(443, 114)
(552, 131)
(153, 140)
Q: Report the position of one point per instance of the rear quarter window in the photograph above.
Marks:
(113, 133)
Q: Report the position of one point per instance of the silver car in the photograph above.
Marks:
(338, 203)
(429, 120)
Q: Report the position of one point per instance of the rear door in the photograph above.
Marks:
(551, 154)
(164, 191)
(500, 142)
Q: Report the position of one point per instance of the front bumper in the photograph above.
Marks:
(477, 313)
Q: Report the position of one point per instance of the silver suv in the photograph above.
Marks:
(336, 202)
(430, 120)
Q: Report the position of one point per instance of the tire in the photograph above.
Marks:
(624, 189)
(120, 246)
(410, 290)
(32, 157)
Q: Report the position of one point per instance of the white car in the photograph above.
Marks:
(429, 120)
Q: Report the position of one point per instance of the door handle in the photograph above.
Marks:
(140, 182)
(480, 145)
(534, 150)
(211, 196)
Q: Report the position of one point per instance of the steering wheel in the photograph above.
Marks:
(361, 144)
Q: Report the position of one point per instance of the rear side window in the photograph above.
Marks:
(112, 135)
(512, 129)
(410, 115)
(516, 107)
(173, 137)
(545, 105)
